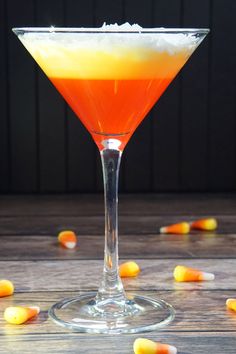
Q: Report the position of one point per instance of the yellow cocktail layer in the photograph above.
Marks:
(91, 63)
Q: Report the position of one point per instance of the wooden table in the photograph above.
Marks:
(43, 272)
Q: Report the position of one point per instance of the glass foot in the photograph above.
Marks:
(139, 314)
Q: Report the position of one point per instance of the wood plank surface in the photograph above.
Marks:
(129, 204)
(203, 311)
(147, 246)
(93, 225)
(80, 275)
(187, 343)
(44, 273)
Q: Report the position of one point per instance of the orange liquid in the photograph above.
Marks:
(111, 109)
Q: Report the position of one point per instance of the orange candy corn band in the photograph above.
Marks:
(20, 314)
(209, 224)
(6, 288)
(231, 304)
(180, 228)
(129, 269)
(67, 239)
(182, 274)
(147, 346)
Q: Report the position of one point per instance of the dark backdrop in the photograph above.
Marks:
(186, 144)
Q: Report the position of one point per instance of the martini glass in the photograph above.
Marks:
(111, 77)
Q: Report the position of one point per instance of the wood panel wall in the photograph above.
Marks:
(186, 144)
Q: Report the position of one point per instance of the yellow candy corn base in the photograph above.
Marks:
(137, 314)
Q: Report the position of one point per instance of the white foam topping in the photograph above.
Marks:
(155, 39)
(124, 27)
(111, 51)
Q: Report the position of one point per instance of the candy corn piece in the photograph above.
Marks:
(20, 314)
(204, 224)
(182, 273)
(67, 239)
(129, 269)
(146, 346)
(6, 288)
(180, 228)
(231, 304)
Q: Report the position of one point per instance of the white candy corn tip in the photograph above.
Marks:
(208, 276)
(163, 230)
(37, 308)
(172, 350)
(229, 300)
(70, 244)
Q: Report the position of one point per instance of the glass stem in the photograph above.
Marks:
(111, 292)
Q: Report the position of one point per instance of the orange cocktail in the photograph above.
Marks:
(111, 107)
(111, 77)
(110, 88)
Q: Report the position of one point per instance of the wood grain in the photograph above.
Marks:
(206, 245)
(195, 311)
(186, 342)
(93, 225)
(44, 273)
(129, 204)
(52, 275)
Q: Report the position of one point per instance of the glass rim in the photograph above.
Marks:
(52, 29)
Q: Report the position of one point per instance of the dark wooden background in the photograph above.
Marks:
(186, 144)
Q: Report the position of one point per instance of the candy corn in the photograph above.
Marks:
(204, 224)
(6, 288)
(20, 314)
(182, 273)
(129, 269)
(180, 228)
(231, 304)
(146, 346)
(67, 239)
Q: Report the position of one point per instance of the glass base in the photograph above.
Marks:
(137, 314)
